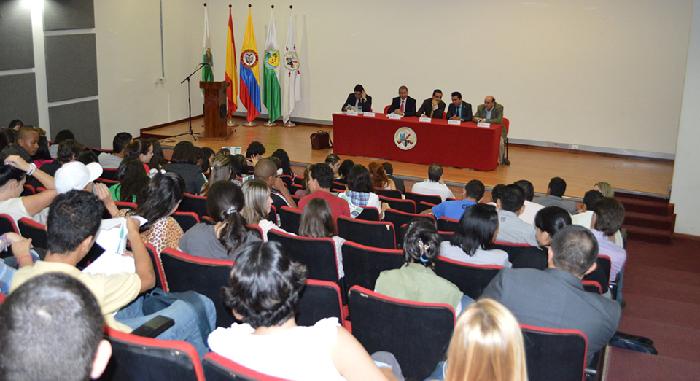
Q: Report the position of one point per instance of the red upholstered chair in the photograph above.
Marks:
(125, 205)
(470, 278)
(369, 233)
(369, 213)
(592, 286)
(109, 174)
(107, 182)
(186, 220)
(186, 272)
(400, 218)
(445, 235)
(408, 206)
(319, 299)
(219, 368)
(416, 333)
(390, 193)
(554, 354)
(447, 224)
(141, 358)
(363, 264)
(194, 203)
(506, 125)
(418, 198)
(2, 298)
(386, 109)
(318, 254)
(157, 266)
(522, 255)
(337, 187)
(601, 274)
(290, 219)
(35, 231)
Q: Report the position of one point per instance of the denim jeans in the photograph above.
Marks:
(191, 312)
(6, 275)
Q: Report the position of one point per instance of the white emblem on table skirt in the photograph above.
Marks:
(405, 138)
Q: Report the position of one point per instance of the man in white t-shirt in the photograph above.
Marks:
(433, 186)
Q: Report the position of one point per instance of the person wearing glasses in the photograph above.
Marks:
(492, 112)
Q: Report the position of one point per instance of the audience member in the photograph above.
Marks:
(548, 221)
(263, 293)
(13, 175)
(51, 327)
(476, 231)
(358, 101)
(254, 152)
(416, 279)
(42, 154)
(344, 170)
(67, 151)
(605, 188)
(531, 208)
(317, 222)
(334, 162)
(184, 163)
(380, 180)
(158, 161)
(300, 193)
(61, 136)
(555, 191)
(555, 297)
(266, 171)
(204, 155)
(607, 220)
(88, 156)
(584, 217)
(26, 145)
(398, 183)
(496, 192)
(258, 205)
(433, 186)
(223, 238)
(473, 193)
(512, 229)
(133, 182)
(141, 149)
(15, 124)
(359, 191)
(320, 180)
(219, 170)
(238, 168)
(284, 161)
(119, 143)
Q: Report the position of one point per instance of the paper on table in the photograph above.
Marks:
(424, 119)
(369, 114)
(455, 122)
(351, 113)
(393, 116)
(484, 125)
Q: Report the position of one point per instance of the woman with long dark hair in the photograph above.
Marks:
(133, 182)
(317, 222)
(477, 228)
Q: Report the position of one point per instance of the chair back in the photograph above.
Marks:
(363, 264)
(418, 334)
(523, 256)
(601, 274)
(399, 219)
(418, 198)
(390, 193)
(318, 254)
(386, 109)
(447, 224)
(157, 266)
(592, 286)
(186, 220)
(110, 174)
(554, 354)
(408, 206)
(369, 213)
(185, 272)
(7, 225)
(35, 231)
(368, 233)
(338, 187)
(470, 278)
(290, 219)
(219, 368)
(506, 124)
(194, 203)
(125, 205)
(146, 359)
(319, 299)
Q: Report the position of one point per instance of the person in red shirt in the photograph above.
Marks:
(319, 184)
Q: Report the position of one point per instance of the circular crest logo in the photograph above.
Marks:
(291, 60)
(405, 138)
(272, 59)
(249, 58)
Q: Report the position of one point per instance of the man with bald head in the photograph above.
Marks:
(26, 145)
(266, 170)
(492, 112)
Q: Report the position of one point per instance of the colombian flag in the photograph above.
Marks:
(231, 77)
(250, 72)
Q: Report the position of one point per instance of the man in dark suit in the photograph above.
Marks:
(433, 107)
(459, 110)
(403, 104)
(358, 100)
(555, 297)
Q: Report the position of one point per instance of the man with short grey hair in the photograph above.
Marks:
(433, 186)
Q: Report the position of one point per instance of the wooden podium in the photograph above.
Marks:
(214, 109)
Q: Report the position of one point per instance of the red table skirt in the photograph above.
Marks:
(463, 146)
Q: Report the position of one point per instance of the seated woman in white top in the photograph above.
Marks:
(548, 221)
(258, 204)
(359, 192)
(317, 222)
(263, 292)
(13, 175)
(477, 229)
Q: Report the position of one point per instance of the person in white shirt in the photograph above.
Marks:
(531, 208)
(585, 215)
(511, 228)
(433, 186)
(119, 143)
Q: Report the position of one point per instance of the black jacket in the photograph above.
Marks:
(466, 111)
(427, 109)
(192, 174)
(366, 104)
(409, 109)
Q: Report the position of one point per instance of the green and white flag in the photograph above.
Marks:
(272, 95)
(207, 60)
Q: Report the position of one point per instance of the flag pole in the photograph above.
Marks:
(249, 123)
(289, 122)
(270, 122)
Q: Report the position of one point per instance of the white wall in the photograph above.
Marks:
(686, 177)
(595, 73)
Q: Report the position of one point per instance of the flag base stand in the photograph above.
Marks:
(289, 124)
(249, 124)
(270, 124)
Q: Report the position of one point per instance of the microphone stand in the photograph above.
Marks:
(189, 100)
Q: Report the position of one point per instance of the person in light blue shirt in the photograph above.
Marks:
(473, 192)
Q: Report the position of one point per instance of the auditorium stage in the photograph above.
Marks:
(580, 169)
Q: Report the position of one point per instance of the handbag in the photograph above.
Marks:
(321, 140)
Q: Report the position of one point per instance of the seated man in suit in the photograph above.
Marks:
(459, 110)
(433, 107)
(359, 100)
(492, 112)
(403, 104)
(555, 297)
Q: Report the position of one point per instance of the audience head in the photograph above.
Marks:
(359, 180)
(15, 124)
(437, 95)
(12, 180)
(403, 91)
(120, 142)
(511, 199)
(204, 155)
(574, 249)
(474, 190)
(258, 202)
(165, 192)
(225, 203)
(477, 228)
(434, 172)
(73, 221)
(220, 169)
(76, 176)
(496, 192)
(184, 152)
(456, 98)
(388, 168)
(557, 186)
(87, 156)
(141, 149)
(345, 167)
(158, 159)
(52, 327)
(548, 221)
(609, 215)
(333, 161)
(487, 344)
(255, 150)
(320, 177)
(283, 157)
(63, 135)
(133, 179)
(378, 175)
(264, 286)
(42, 153)
(266, 170)
(68, 150)
(528, 189)
(238, 165)
(421, 243)
(317, 220)
(591, 198)
(28, 138)
(604, 188)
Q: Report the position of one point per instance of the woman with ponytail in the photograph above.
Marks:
(416, 280)
(222, 238)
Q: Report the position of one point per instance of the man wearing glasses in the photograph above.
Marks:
(492, 112)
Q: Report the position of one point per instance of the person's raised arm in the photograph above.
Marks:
(101, 191)
(20, 248)
(353, 362)
(142, 261)
(45, 179)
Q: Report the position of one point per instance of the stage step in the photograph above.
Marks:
(664, 222)
(648, 234)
